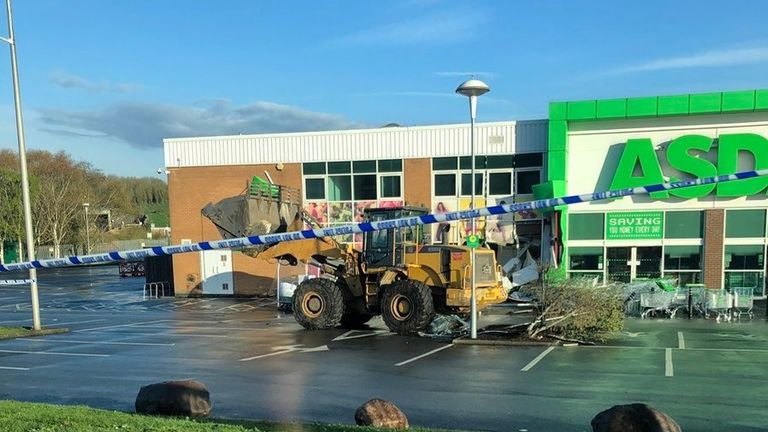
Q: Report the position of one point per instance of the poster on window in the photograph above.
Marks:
(340, 212)
(390, 204)
(526, 215)
(465, 225)
(444, 230)
(318, 211)
(360, 206)
(501, 229)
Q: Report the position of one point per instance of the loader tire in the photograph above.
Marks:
(318, 304)
(354, 320)
(407, 307)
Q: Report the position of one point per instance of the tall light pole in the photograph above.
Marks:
(87, 232)
(472, 89)
(24, 178)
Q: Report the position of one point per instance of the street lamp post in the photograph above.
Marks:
(30, 238)
(87, 232)
(472, 89)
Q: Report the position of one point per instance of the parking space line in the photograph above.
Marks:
(669, 371)
(94, 342)
(118, 325)
(160, 334)
(429, 353)
(75, 322)
(13, 368)
(184, 327)
(680, 340)
(538, 358)
(54, 353)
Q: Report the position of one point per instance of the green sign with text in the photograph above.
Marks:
(634, 225)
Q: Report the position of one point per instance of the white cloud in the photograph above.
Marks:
(434, 29)
(145, 124)
(70, 81)
(714, 58)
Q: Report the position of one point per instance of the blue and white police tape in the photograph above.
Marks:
(364, 227)
(16, 282)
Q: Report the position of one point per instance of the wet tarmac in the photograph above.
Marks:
(707, 376)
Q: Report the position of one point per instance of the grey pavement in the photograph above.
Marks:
(707, 376)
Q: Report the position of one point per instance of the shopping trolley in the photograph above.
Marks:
(657, 301)
(719, 303)
(743, 301)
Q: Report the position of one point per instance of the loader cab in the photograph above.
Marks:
(384, 248)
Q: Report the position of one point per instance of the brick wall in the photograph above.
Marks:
(189, 190)
(713, 247)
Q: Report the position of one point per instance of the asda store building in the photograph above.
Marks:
(713, 234)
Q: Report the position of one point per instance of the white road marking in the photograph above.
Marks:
(74, 322)
(54, 353)
(538, 358)
(423, 355)
(280, 350)
(350, 335)
(118, 325)
(183, 327)
(669, 370)
(160, 334)
(13, 368)
(680, 340)
(94, 343)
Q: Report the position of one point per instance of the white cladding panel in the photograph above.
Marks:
(600, 144)
(362, 144)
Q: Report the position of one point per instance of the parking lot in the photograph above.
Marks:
(258, 364)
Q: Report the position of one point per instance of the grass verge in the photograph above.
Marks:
(26, 416)
(18, 332)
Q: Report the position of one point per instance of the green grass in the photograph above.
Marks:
(158, 214)
(29, 417)
(18, 332)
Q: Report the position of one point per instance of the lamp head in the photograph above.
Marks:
(473, 87)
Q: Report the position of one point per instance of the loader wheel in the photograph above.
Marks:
(318, 304)
(407, 307)
(354, 320)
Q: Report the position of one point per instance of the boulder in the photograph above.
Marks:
(633, 418)
(381, 413)
(174, 398)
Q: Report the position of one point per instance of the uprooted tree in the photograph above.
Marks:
(576, 309)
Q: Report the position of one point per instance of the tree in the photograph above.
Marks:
(576, 309)
(11, 209)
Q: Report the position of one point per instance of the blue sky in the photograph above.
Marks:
(107, 80)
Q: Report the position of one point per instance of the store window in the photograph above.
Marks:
(499, 183)
(683, 263)
(683, 224)
(586, 262)
(525, 180)
(585, 226)
(745, 267)
(466, 184)
(314, 188)
(337, 192)
(744, 223)
(445, 185)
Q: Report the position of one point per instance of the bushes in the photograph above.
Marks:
(576, 309)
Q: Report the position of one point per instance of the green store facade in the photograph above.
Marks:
(713, 235)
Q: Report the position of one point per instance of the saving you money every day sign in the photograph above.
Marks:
(634, 225)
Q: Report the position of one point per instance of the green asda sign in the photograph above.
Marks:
(634, 225)
(683, 155)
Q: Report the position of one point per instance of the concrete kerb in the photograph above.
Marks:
(464, 340)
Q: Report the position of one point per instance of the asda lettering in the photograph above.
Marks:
(682, 155)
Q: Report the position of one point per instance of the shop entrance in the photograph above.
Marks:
(628, 263)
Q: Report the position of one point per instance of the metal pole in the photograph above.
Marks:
(473, 298)
(87, 232)
(277, 296)
(24, 178)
